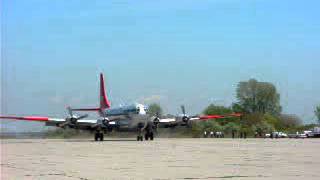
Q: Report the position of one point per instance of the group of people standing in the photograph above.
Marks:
(213, 134)
(219, 134)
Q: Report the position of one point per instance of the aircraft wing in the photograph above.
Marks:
(49, 121)
(168, 120)
(32, 118)
(206, 117)
(178, 120)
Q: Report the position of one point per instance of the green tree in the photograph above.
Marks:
(261, 123)
(212, 126)
(252, 119)
(273, 121)
(231, 127)
(196, 130)
(262, 128)
(218, 110)
(258, 97)
(199, 127)
(317, 112)
(155, 109)
(289, 121)
(237, 108)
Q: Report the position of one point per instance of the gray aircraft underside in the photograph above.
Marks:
(128, 122)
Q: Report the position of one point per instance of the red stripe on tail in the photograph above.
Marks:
(104, 103)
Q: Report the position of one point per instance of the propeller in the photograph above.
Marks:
(156, 121)
(185, 117)
(183, 109)
(72, 119)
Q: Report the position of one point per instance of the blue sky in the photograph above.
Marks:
(172, 52)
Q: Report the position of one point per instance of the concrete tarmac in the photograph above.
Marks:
(85, 159)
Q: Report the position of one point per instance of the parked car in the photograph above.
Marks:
(276, 135)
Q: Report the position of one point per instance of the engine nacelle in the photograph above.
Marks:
(105, 122)
(185, 119)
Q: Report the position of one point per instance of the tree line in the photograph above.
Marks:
(259, 104)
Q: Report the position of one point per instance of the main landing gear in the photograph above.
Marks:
(98, 136)
(147, 136)
(139, 138)
(148, 128)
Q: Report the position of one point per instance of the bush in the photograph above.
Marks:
(231, 127)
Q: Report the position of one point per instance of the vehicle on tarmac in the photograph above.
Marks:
(314, 133)
(276, 135)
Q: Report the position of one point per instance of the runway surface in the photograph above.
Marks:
(161, 159)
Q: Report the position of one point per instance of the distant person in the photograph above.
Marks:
(245, 135)
(211, 134)
(233, 134)
(205, 134)
(218, 134)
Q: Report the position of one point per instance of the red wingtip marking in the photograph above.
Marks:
(35, 118)
(220, 116)
(26, 118)
(211, 117)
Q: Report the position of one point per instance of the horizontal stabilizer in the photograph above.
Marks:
(104, 102)
(87, 109)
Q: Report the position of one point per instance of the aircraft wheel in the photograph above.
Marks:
(151, 136)
(146, 136)
(139, 138)
(101, 136)
(96, 136)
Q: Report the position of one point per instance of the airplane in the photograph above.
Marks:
(126, 118)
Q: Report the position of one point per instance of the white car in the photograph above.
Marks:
(282, 135)
(277, 135)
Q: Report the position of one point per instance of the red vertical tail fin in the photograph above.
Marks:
(104, 102)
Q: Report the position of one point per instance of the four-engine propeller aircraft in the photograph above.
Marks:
(126, 118)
